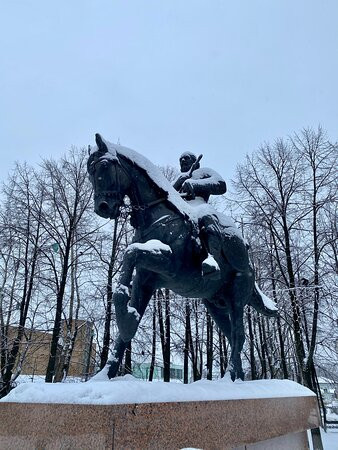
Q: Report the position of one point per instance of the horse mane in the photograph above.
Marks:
(152, 173)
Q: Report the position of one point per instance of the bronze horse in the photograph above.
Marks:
(167, 252)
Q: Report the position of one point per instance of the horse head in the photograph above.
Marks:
(110, 181)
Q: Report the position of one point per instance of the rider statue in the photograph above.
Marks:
(196, 184)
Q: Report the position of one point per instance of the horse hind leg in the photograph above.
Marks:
(230, 327)
(237, 339)
(222, 320)
(220, 317)
(241, 291)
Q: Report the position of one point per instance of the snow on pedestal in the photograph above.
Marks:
(129, 413)
(127, 389)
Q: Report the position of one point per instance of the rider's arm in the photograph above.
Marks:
(207, 181)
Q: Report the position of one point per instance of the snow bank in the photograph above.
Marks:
(127, 389)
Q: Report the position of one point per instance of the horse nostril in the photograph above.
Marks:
(103, 207)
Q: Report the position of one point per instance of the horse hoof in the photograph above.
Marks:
(113, 368)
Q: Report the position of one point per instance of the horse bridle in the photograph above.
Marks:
(117, 195)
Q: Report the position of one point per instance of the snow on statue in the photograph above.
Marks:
(185, 246)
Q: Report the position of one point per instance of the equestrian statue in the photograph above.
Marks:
(181, 243)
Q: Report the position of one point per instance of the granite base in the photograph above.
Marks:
(263, 423)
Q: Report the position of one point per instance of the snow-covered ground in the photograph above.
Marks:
(41, 379)
(128, 389)
(329, 439)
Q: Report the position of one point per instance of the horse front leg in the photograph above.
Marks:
(115, 360)
(141, 294)
(152, 257)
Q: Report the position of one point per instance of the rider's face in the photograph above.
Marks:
(186, 161)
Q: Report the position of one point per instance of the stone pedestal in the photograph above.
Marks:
(263, 423)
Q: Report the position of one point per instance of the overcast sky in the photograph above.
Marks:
(165, 76)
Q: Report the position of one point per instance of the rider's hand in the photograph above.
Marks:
(188, 188)
(180, 180)
(183, 177)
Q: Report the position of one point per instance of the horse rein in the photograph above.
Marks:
(115, 194)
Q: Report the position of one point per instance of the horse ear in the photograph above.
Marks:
(100, 144)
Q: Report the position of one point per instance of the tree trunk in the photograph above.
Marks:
(153, 346)
(262, 346)
(127, 360)
(221, 354)
(225, 353)
(296, 316)
(268, 355)
(198, 346)
(282, 349)
(210, 349)
(187, 341)
(50, 372)
(87, 369)
(108, 314)
(274, 294)
(166, 356)
(251, 347)
(164, 332)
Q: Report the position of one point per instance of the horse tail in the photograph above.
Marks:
(262, 303)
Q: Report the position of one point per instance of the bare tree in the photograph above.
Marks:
(67, 195)
(22, 237)
(287, 191)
